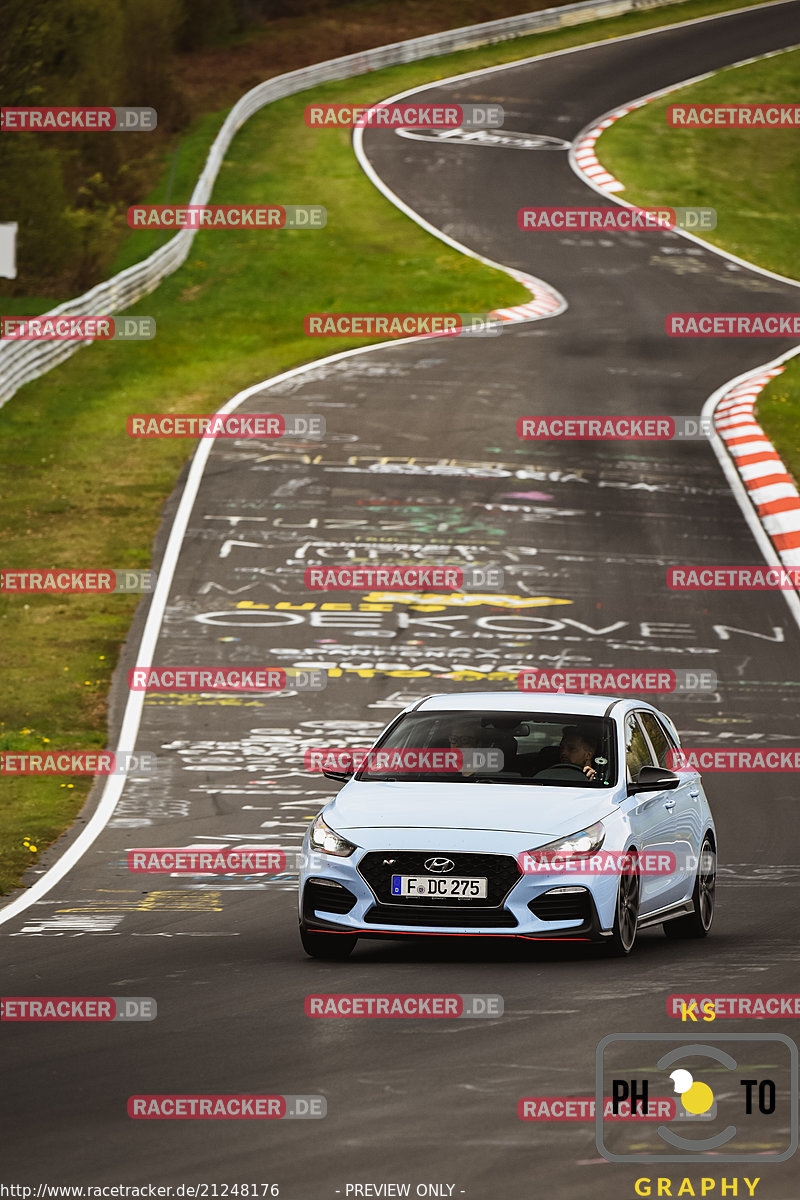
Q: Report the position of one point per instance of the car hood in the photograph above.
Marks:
(537, 811)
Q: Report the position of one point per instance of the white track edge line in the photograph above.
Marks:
(736, 482)
(135, 703)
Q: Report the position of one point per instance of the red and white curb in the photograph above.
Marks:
(546, 302)
(769, 485)
(586, 161)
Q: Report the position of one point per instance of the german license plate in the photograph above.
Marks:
(459, 888)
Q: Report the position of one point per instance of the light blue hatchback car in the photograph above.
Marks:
(509, 815)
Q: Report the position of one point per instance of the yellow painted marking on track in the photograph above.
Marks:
(204, 699)
(169, 901)
(196, 901)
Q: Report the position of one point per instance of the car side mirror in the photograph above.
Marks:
(341, 774)
(654, 779)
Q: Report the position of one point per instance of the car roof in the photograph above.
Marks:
(551, 702)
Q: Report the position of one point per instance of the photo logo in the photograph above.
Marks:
(696, 1098)
(724, 1086)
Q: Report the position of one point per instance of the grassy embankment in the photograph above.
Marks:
(750, 176)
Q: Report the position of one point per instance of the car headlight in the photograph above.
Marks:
(586, 841)
(325, 839)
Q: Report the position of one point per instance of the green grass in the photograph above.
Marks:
(778, 412)
(751, 178)
(78, 493)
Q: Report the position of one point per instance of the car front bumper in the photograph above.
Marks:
(336, 898)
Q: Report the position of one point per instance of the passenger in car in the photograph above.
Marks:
(464, 736)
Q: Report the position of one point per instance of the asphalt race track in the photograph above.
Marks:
(421, 462)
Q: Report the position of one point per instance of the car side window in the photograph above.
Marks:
(637, 751)
(658, 738)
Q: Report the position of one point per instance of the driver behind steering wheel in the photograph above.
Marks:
(578, 746)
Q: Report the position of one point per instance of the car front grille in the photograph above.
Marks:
(487, 918)
(500, 870)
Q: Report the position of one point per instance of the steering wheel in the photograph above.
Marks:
(561, 766)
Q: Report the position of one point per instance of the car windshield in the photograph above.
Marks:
(534, 749)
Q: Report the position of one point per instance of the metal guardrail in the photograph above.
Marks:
(22, 361)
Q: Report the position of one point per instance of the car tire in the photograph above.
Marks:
(698, 923)
(626, 915)
(330, 946)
